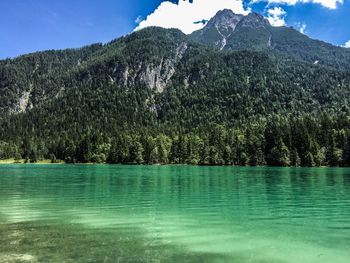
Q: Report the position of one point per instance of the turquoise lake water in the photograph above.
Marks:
(101, 213)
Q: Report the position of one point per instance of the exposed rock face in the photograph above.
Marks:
(254, 20)
(23, 103)
(225, 19)
(155, 77)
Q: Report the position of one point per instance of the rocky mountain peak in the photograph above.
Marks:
(254, 20)
(225, 18)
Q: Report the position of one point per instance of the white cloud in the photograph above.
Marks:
(276, 16)
(138, 20)
(301, 27)
(347, 44)
(331, 4)
(184, 14)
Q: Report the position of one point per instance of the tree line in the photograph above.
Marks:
(277, 141)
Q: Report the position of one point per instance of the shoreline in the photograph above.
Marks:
(59, 162)
(22, 161)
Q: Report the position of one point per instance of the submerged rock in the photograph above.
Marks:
(17, 258)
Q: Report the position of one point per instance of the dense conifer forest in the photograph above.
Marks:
(158, 96)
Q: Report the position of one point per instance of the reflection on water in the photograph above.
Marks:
(175, 213)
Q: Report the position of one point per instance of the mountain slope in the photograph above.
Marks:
(29, 80)
(162, 63)
(159, 96)
(253, 32)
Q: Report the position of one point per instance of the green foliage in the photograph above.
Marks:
(280, 155)
(8, 150)
(218, 108)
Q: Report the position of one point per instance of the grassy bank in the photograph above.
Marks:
(23, 161)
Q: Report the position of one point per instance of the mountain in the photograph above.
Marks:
(228, 31)
(225, 25)
(160, 96)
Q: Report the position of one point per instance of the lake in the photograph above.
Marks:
(101, 213)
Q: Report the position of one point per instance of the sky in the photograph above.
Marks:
(34, 25)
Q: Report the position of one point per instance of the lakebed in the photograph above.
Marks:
(112, 213)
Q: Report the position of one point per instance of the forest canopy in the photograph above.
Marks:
(158, 96)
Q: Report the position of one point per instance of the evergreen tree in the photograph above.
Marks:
(280, 155)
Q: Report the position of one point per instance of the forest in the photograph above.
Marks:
(158, 97)
(277, 141)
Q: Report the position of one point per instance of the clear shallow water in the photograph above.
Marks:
(56, 213)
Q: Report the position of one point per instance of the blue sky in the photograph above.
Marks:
(33, 25)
